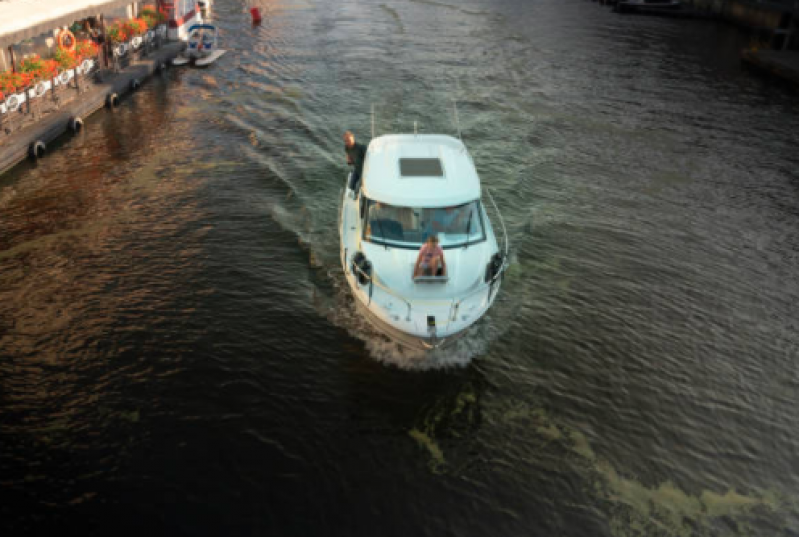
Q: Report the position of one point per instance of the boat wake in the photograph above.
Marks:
(387, 351)
(333, 300)
(341, 311)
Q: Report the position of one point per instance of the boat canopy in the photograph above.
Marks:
(23, 19)
(424, 170)
(202, 27)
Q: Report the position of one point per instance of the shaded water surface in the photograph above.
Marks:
(180, 355)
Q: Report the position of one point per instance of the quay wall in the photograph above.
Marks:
(750, 14)
(773, 22)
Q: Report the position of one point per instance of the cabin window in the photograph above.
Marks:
(409, 227)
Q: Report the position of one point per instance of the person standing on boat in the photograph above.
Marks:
(356, 154)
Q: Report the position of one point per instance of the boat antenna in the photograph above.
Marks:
(457, 121)
(373, 120)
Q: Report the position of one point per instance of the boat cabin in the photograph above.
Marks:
(415, 186)
(182, 15)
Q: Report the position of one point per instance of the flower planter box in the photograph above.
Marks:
(45, 96)
(137, 47)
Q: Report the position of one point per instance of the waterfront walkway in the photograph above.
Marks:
(17, 145)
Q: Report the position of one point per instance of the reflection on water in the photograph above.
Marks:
(175, 328)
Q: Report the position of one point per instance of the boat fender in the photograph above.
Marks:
(75, 124)
(112, 101)
(37, 149)
(367, 268)
(493, 267)
(361, 267)
(135, 84)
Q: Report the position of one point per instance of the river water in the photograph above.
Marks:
(181, 356)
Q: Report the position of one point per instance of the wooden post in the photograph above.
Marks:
(105, 41)
(13, 60)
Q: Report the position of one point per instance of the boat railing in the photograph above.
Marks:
(456, 302)
(374, 283)
(341, 208)
(504, 247)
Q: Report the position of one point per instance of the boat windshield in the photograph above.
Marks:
(409, 227)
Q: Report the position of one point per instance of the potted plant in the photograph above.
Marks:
(117, 37)
(65, 59)
(155, 19)
(152, 17)
(135, 27)
(86, 49)
(116, 33)
(10, 83)
(34, 66)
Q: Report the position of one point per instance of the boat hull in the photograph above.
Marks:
(199, 61)
(404, 338)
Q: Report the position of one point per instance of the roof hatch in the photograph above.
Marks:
(421, 167)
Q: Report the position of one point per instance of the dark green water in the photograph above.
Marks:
(180, 354)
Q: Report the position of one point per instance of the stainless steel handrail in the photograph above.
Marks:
(384, 289)
(341, 207)
(490, 285)
(471, 294)
(501, 221)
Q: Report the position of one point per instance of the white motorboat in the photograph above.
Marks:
(201, 46)
(414, 186)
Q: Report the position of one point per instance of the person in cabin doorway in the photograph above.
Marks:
(430, 261)
(356, 154)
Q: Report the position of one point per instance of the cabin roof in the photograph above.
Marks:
(424, 170)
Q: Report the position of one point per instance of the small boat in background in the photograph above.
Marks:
(201, 46)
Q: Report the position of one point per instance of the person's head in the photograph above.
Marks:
(349, 139)
(432, 240)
